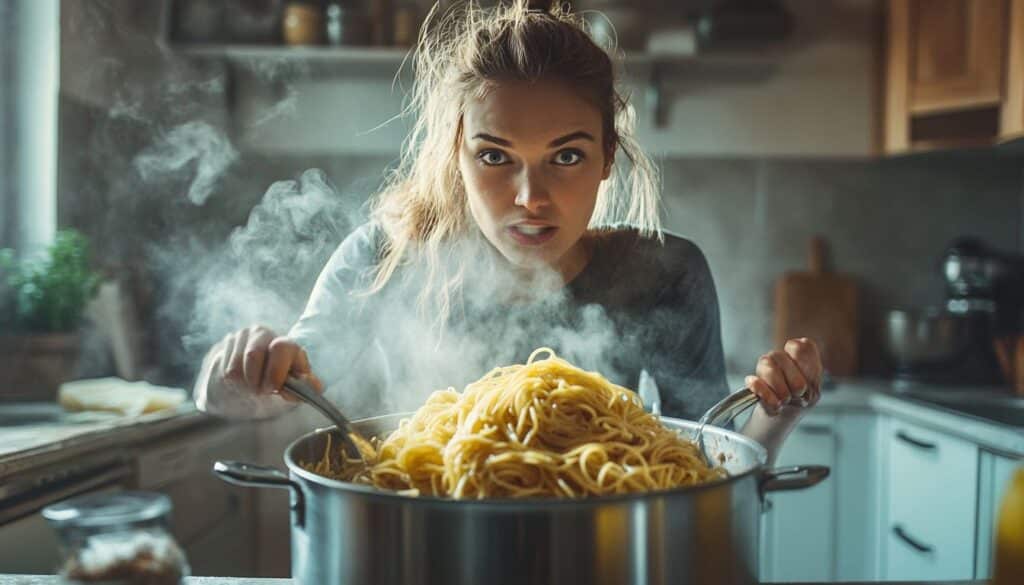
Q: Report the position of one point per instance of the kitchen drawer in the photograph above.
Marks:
(933, 482)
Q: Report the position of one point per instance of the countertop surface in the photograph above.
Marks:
(29, 446)
(23, 447)
(895, 399)
(54, 580)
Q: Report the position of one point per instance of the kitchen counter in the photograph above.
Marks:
(892, 398)
(54, 580)
(30, 446)
(904, 400)
(26, 447)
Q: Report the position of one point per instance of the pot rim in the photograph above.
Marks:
(373, 493)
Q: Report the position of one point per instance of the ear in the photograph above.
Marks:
(609, 160)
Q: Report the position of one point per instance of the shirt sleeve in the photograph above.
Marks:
(334, 327)
(687, 359)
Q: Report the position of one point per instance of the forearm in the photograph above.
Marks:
(771, 431)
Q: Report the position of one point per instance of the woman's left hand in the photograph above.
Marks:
(791, 376)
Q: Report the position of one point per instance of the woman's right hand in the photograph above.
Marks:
(242, 375)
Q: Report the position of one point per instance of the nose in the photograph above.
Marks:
(533, 192)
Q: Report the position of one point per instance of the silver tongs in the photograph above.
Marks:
(722, 413)
(356, 445)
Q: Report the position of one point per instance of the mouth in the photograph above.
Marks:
(531, 234)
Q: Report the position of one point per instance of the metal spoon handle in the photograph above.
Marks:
(722, 413)
(355, 442)
(729, 407)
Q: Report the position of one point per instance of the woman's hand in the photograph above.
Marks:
(243, 374)
(792, 376)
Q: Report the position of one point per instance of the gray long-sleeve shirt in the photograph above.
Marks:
(639, 304)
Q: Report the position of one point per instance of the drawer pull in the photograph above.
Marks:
(915, 442)
(914, 543)
(814, 429)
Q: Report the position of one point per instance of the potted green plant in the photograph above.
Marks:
(43, 303)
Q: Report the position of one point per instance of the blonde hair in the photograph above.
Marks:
(423, 205)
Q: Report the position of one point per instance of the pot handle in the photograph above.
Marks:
(804, 476)
(250, 475)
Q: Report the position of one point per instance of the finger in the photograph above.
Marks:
(255, 356)
(302, 369)
(233, 367)
(815, 397)
(227, 346)
(769, 402)
(768, 369)
(804, 351)
(795, 380)
(282, 354)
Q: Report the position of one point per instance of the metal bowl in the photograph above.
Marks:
(924, 337)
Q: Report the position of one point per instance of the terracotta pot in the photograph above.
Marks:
(303, 24)
(35, 365)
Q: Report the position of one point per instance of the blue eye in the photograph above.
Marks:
(568, 157)
(492, 157)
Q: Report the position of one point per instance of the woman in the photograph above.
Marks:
(504, 229)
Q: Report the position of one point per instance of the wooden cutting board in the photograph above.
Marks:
(823, 306)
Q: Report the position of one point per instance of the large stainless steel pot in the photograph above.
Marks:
(349, 534)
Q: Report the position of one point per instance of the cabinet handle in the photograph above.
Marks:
(814, 429)
(914, 543)
(901, 435)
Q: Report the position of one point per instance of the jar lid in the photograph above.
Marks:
(108, 509)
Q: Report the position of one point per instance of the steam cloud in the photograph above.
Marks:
(264, 271)
(195, 147)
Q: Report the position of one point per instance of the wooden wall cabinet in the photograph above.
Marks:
(1012, 124)
(953, 73)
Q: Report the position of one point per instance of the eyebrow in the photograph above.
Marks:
(579, 135)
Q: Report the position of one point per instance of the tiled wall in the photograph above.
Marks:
(887, 223)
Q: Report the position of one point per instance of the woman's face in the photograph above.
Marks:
(532, 159)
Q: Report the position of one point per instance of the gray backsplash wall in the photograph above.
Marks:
(886, 222)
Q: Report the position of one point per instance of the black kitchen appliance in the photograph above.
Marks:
(954, 343)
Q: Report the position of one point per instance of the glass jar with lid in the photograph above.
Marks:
(121, 538)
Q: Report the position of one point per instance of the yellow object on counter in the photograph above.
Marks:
(1009, 561)
(117, 395)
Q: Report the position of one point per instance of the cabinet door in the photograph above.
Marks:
(944, 56)
(994, 476)
(932, 500)
(858, 473)
(1012, 124)
(956, 54)
(798, 536)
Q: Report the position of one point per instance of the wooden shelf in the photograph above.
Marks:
(335, 55)
(393, 56)
(299, 61)
(650, 69)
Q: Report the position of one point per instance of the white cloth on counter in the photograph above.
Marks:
(119, 396)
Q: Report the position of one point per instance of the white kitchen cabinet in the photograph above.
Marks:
(798, 532)
(994, 473)
(858, 477)
(930, 516)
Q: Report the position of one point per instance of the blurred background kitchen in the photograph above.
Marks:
(861, 157)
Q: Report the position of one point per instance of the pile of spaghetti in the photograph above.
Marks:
(544, 429)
